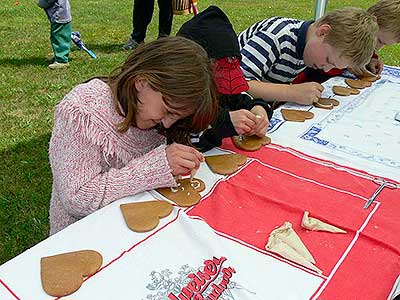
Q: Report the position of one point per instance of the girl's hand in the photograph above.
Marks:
(183, 159)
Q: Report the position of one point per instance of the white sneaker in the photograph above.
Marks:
(57, 65)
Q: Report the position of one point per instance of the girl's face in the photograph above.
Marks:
(152, 109)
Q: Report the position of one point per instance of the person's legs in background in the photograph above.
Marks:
(165, 18)
(141, 18)
(60, 38)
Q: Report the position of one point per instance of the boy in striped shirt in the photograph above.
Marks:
(387, 13)
(274, 51)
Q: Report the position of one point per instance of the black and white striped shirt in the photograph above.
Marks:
(272, 49)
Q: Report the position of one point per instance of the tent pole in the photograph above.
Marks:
(320, 8)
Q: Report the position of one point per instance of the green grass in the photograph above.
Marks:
(29, 91)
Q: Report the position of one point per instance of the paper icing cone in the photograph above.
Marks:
(290, 237)
(315, 224)
(278, 246)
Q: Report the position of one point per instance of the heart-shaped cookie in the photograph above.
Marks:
(326, 103)
(344, 91)
(250, 142)
(225, 164)
(145, 216)
(63, 274)
(295, 115)
(187, 193)
(357, 84)
(370, 78)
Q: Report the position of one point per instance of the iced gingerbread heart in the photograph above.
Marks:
(187, 192)
(145, 216)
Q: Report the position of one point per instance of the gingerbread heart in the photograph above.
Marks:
(225, 164)
(187, 193)
(250, 142)
(344, 91)
(326, 103)
(145, 216)
(357, 84)
(370, 78)
(295, 115)
(63, 274)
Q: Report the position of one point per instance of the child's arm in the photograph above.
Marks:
(221, 128)
(84, 185)
(256, 63)
(304, 93)
(244, 101)
(46, 3)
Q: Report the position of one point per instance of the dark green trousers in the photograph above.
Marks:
(60, 38)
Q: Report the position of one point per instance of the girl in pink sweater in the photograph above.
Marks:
(106, 142)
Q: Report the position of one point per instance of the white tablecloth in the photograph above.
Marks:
(360, 134)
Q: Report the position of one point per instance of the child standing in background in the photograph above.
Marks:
(59, 14)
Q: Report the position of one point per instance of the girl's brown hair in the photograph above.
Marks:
(177, 68)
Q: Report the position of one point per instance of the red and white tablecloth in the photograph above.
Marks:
(216, 249)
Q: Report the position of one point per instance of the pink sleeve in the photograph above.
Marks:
(83, 187)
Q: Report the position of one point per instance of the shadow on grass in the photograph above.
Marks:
(105, 48)
(18, 62)
(25, 190)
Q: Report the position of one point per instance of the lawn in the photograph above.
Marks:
(29, 91)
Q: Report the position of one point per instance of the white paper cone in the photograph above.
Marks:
(278, 246)
(317, 225)
(287, 234)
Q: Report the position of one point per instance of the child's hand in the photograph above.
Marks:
(305, 93)
(375, 66)
(183, 159)
(360, 71)
(262, 122)
(243, 120)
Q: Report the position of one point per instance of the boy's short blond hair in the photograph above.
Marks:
(353, 33)
(387, 13)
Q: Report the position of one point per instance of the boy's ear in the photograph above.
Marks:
(323, 30)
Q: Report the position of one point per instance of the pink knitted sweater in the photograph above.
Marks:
(93, 164)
